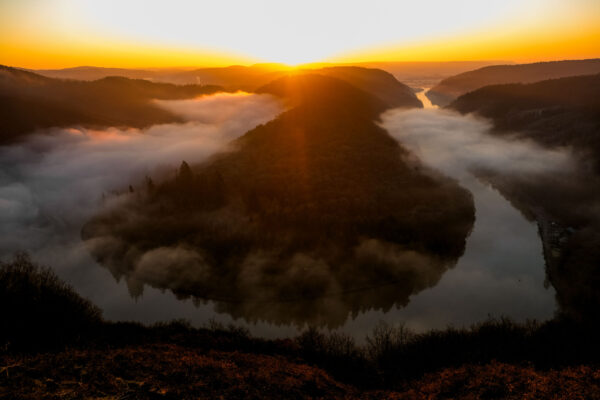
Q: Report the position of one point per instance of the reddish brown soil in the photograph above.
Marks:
(162, 371)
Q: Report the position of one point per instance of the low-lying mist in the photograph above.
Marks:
(52, 182)
(551, 187)
(458, 145)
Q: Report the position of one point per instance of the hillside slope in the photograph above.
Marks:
(556, 112)
(89, 73)
(250, 78)
(379, 83)
(450, 88)
(30, 101)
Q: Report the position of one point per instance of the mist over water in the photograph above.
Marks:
(457, 145)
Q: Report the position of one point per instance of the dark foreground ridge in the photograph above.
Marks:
(65, 359)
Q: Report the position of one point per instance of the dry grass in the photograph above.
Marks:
(165, 371)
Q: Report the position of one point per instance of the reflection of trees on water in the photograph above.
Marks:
(316, 275)
(296, 290)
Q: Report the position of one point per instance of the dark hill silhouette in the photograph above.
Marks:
(426, 73)
(316, 215)
(380, 88)
(250, 78)
(14, 77)
(450, 88)
(235, 77)
(314, 90)
(29, 101)
(377, 82)
(89, 73)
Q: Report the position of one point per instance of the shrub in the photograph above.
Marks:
(38, 310)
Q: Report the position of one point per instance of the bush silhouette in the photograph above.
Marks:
(38, 310)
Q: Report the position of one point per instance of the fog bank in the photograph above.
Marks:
(51, 183)
(457, 144)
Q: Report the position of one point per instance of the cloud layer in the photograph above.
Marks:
(458, 145)
(51, 183)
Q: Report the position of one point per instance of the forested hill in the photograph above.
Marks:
(90, 73)
(556, 112)
(250, 78)
(311, 207)
(29, 101)
(379, 83)
(317, 91)
(450, 88)
(375, 81)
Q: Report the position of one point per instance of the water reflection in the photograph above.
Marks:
(424, 99)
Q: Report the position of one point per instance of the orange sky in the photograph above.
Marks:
(151, 33)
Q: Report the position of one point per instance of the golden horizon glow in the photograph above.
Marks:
(523, 45)
(153, 34)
